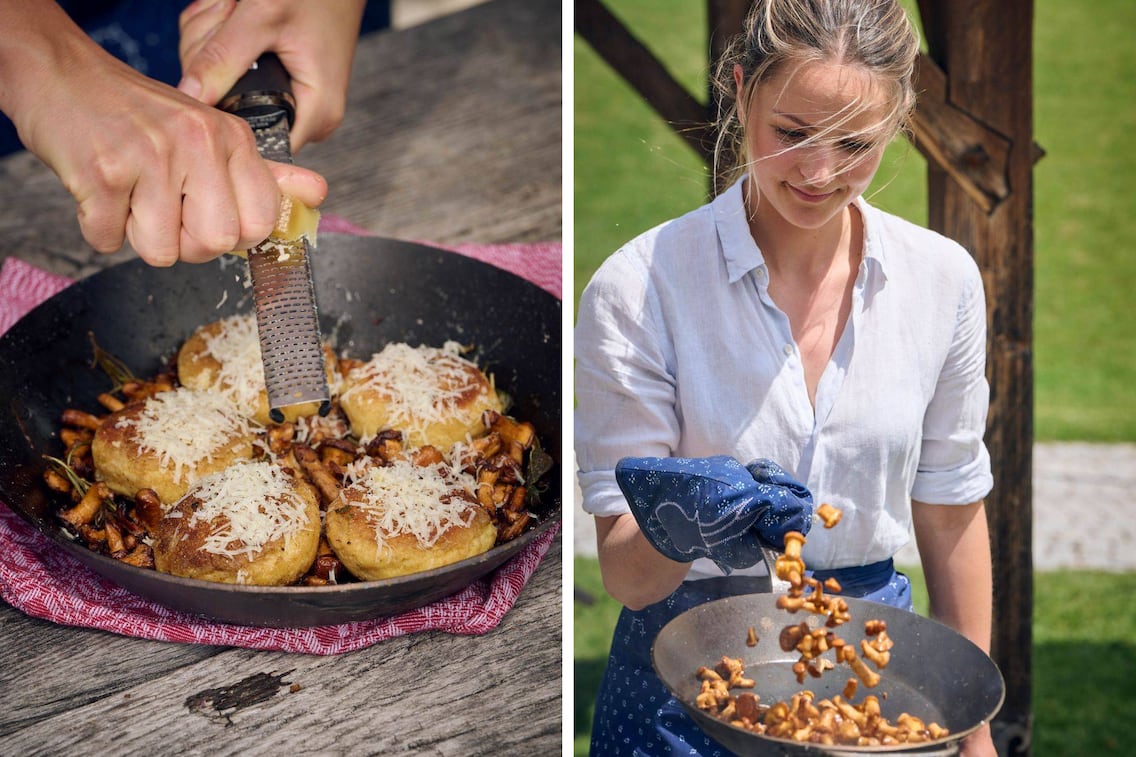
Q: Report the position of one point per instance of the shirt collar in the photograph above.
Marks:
(741, 252)
(874, 250)
(738, 247)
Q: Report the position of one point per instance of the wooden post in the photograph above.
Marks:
(985, 48)
(724, 20)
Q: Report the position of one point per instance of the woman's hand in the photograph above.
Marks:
(979, 744)
(220, 39)
(713, 507)
(683, 509)
(954, 545)
(178, 179)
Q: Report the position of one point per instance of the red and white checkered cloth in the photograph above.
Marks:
(44, 581)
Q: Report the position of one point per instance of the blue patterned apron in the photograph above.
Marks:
(635, 714)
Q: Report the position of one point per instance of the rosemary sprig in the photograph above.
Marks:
(117, 370)
(64, 468)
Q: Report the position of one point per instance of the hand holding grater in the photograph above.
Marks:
(283, 290)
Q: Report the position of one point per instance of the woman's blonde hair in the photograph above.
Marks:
(874, 34)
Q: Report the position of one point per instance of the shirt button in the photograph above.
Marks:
(787, 349)
(760, 273)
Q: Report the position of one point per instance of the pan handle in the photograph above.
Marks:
(769, 556)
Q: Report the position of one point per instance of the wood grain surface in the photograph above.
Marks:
(90, 692)
(453, 134)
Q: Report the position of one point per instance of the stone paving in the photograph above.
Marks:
(1083, 509)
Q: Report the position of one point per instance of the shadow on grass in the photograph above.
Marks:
(1082, 693)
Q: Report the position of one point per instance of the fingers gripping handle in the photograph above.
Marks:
(713, 507)
(263, 95)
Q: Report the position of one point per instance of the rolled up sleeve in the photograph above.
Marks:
(625, 394)
(954, 464)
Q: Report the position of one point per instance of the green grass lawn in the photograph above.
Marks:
(1084, 657)
(632, 173)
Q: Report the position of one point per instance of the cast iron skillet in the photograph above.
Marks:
(935, 673)
(370, 291)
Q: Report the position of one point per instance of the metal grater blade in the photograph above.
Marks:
(288, 328)
(285, 300)
(272, 136)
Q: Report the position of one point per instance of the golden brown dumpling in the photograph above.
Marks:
(403, 518)
(224, 356)
(432, 395)
(252, 523)
(168, 441)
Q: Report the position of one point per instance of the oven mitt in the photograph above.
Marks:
(713, 506)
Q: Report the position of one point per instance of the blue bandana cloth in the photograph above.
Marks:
(713, 506)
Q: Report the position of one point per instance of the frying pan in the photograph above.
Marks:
(370, 291)
(935, 673)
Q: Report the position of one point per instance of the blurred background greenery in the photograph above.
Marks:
(632, 173)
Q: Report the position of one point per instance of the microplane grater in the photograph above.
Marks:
(283, 289)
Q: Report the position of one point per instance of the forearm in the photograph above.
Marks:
(38, 43)
(954, 544)
(634, 573)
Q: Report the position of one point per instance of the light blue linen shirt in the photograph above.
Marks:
(680, 351)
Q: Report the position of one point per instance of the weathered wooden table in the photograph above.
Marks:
(453, 134)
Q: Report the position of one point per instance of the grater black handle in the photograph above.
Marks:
(263, 95)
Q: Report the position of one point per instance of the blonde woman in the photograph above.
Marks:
(790, 321)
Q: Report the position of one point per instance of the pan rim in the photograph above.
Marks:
(549, 513)
(926, 747)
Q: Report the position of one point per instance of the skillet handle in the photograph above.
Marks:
(769, 556)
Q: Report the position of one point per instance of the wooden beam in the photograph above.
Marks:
(633, 61)
(724, 21)
(973, 154)
(985, 50)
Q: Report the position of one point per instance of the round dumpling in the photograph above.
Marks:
(432, 395)
(252, 523)
(168, 441)
(404, 518)
(224, 356)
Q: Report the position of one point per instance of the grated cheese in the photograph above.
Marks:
(422, 385)
(333, 426)
(247, 505)
(236, 346)
(403, 498)
(185, 427)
